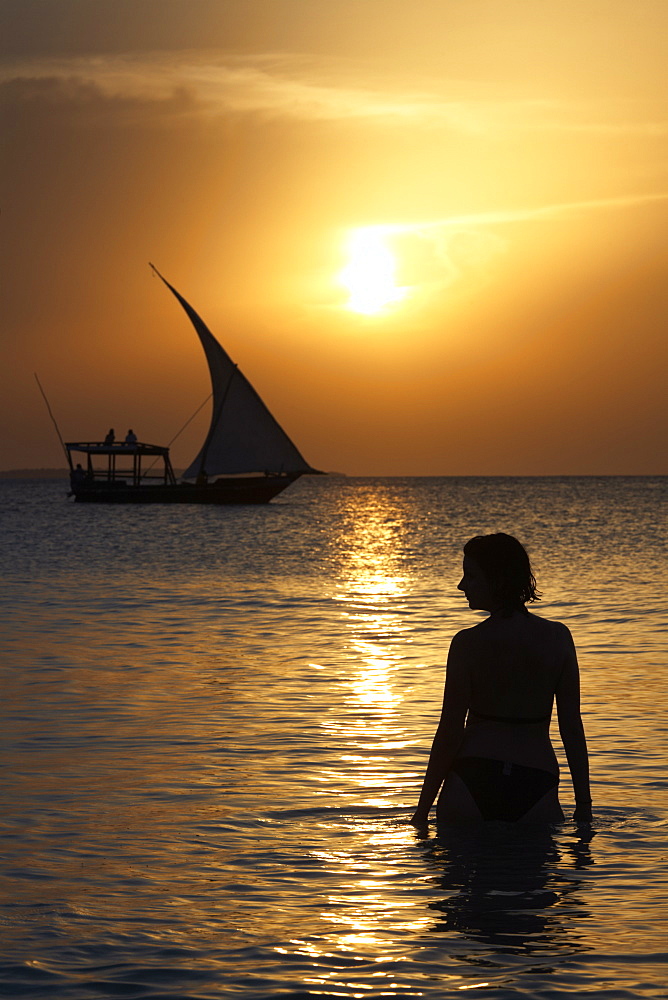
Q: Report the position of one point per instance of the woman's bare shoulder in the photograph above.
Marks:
(464, 650)
(467, 638)
(556, 630)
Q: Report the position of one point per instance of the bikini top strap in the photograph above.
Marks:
(511, 719)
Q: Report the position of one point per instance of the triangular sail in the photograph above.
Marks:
(243, 437)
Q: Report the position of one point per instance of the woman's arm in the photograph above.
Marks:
(450, 729)
(572, 731)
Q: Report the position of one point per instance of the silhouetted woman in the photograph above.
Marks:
(492, 752)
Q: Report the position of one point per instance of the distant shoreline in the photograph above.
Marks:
(65, 474)
(34, 474)
(43, 473)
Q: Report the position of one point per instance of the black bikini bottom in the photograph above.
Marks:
(503, 790)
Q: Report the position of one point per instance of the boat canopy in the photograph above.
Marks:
(121, 463)
(243, 436)
(117, 449)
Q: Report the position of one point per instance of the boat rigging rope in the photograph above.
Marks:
(178, 433)
(189, 420)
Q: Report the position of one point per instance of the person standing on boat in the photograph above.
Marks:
(131, 438)
(492, 753)
(77, 475)
(110, 438)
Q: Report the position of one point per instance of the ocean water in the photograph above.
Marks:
(215, 724)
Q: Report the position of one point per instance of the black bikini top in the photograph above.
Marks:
(512, 719)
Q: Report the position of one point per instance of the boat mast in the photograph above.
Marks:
(215, 420)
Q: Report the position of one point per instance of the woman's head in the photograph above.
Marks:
(506, 572)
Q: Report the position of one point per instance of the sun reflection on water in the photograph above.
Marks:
(373, 588)
(373, 595)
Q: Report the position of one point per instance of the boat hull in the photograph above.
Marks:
(250, 490)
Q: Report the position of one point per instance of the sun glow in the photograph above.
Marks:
(370, 273)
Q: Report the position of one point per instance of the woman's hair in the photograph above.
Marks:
(505, 563)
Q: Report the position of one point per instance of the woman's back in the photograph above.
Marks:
(514, 665)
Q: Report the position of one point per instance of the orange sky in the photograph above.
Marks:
(497, 170)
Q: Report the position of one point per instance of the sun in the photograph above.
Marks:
(369, 275)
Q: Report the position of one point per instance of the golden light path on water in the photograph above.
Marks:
(370, 594)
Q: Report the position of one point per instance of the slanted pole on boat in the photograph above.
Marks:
(62, 443)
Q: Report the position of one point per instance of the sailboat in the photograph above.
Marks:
(246, 456)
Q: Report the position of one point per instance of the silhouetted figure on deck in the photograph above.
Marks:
(131, 437)
(111, 437)
(492, 752)
(77, 475)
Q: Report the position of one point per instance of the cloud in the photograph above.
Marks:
(639, 129)
(288, 87)
(537, 214)
(270, 85)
